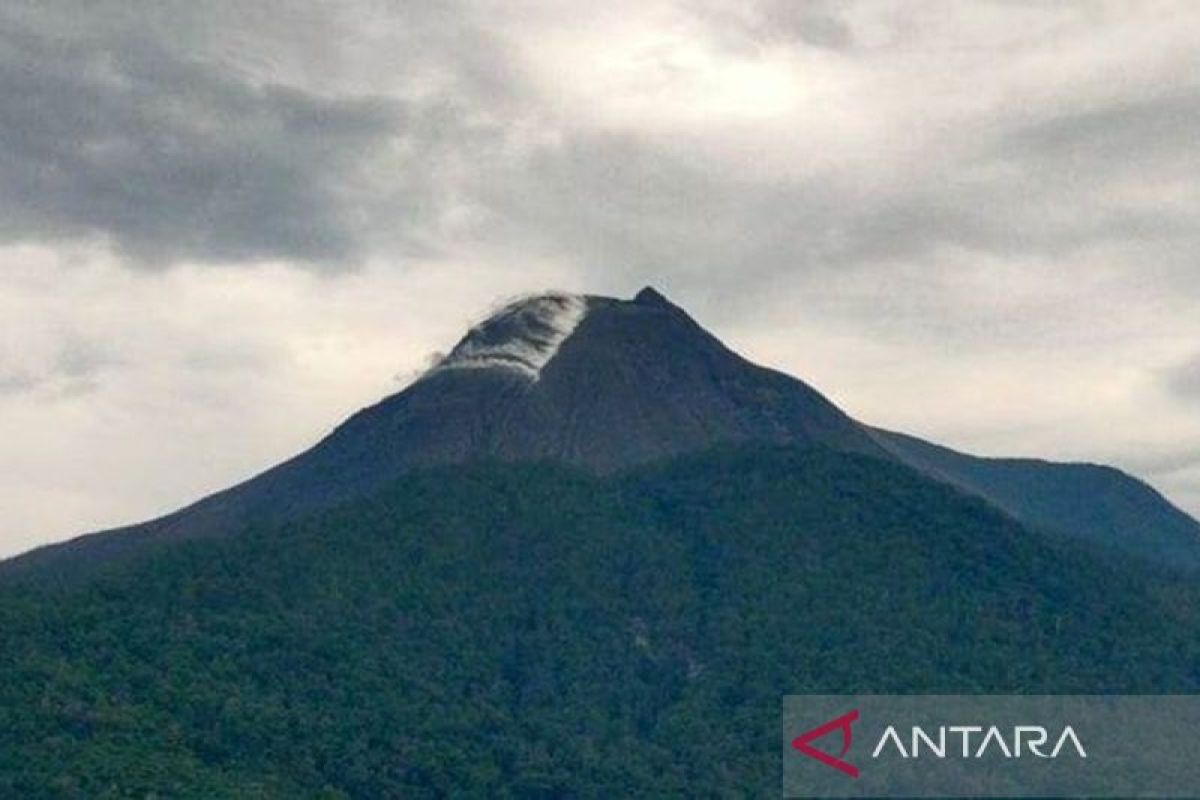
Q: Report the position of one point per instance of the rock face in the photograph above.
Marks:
(602, 384)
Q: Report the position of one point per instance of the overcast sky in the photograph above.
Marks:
(224, 226)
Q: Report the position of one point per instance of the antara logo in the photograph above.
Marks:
(1022, 739)
(842, 723)
(1033, 737)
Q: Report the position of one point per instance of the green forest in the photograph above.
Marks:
(533, 631)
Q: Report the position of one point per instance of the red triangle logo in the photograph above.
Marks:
(842, 723)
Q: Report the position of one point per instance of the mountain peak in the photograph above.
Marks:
(524, 334)
(649, 296)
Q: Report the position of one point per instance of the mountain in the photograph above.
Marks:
(607, 384)
(584, 556)
(1091, 502)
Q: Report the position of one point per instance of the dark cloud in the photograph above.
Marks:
(169, 158)
(157, 141)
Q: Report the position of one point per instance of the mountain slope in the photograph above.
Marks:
(1086, 501)
(607, 385)
(535, 631)
(590, 381)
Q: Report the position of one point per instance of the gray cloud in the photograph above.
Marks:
(73, 369)
(1124, 131)
(169, 158)
(814, 23)
(15, 381)
(1184, 380)
(179, 152)
(146, 134)
(79, 359)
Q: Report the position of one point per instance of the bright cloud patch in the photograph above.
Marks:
(523, 336)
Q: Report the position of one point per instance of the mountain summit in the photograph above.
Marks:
(600, 383)
(605, 385)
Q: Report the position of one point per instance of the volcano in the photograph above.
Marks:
(607, 384)
(584, 555)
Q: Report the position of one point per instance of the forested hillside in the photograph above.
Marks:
(534, 631)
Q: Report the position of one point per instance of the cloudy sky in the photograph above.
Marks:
(225, 225)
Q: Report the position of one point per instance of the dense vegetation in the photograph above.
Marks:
(531, 631)
(1090, 502)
